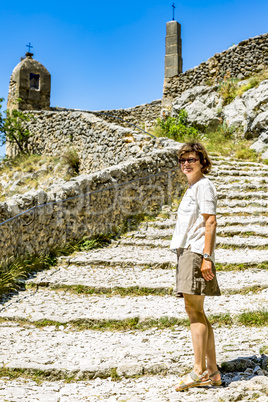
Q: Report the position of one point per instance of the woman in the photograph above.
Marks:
(194, 241)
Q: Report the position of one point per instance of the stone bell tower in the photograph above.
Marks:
(173, 59)
(30, 81)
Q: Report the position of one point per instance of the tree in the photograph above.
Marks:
(12, 128)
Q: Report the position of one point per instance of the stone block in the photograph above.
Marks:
(173, 28)
(131, 369)
(173, 40)
(171, 72)
(173, 60)
(174, 49)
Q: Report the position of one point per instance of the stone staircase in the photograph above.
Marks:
(103, 325)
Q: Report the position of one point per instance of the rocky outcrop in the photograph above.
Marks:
(202, 104)
(249, 111)
(261, 145)
(205, 109)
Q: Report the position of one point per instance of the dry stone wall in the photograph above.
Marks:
(99, 144)
(88, 204)
(142, 116)
(240, 61)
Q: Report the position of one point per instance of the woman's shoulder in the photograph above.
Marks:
(206, 184)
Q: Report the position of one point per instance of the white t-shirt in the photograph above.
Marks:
(200, 198)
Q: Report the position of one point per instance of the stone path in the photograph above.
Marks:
(44, 329)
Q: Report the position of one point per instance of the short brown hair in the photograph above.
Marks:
(200, 150)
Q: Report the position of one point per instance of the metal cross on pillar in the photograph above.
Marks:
(173, 6)
(29, 46)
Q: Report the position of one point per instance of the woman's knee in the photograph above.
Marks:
(194, 310)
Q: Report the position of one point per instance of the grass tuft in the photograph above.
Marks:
(258, 318)
(254, 318)
(13, 274)
(71, 159)
(230, 87)
(121, 291)
(246, 290)
(239, 267)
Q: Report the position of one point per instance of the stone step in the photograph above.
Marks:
(222, 222)
(239, 386)
(234, 241)
(238, 173)
(218, 161)
(62, 353)
(234, 180)
(156, 233)
(146, 257)
(255, 203)
(114, 277)
(241, 229)
(239, 168)
(242, 195)
(257, 186)
(252, 210)
(65, 306)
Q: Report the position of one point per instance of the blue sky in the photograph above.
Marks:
(110, 54)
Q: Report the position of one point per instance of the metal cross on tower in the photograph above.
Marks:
(173, 6)
(29, 46)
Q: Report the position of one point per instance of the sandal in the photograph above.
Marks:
(215, 383)
(197, 381)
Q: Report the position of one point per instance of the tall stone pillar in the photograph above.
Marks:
(173, 59)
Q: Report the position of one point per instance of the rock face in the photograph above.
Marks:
(205, 109)
(202, 104)
(250, 111)
(261, 145)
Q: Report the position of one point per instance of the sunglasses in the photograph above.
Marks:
(190, 160)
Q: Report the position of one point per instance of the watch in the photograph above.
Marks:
(206, 256)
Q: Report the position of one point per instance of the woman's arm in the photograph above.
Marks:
(210, 236)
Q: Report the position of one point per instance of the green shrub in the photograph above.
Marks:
(12, 129)
(177, 128)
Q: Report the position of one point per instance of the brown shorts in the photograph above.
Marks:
(189, 278)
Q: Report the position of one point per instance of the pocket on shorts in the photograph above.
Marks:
(186, 262)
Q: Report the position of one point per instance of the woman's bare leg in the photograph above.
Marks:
(194, 306)
(202, 338)
(211, 353)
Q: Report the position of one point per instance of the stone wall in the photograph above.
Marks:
(88, 204)
(99, 144)
(142, 116)
(240, 61)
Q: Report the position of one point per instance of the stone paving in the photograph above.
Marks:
(143, 365)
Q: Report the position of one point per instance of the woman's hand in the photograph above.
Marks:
(206, 270)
